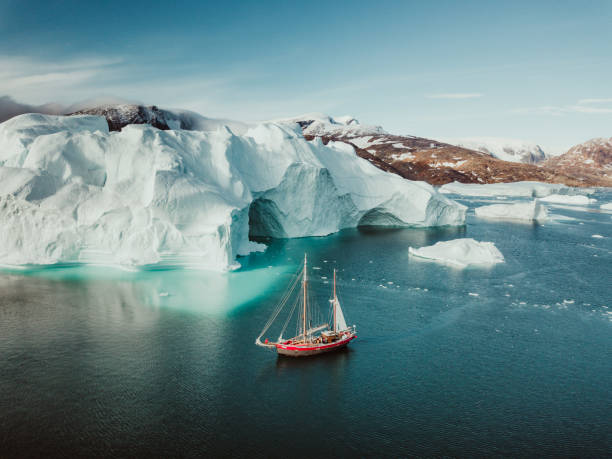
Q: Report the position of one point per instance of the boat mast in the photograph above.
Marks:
(305, 281)
(335, 301)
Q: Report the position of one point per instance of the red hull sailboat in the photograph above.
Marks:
(310, 340)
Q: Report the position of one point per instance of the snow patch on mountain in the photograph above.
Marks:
(71, 190)
(320, 124)
(513, 150)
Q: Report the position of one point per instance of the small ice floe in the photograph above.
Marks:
(522, 303)
(473, 294)
(390, 283)
(370, 261)
(324, 261)
(163, 294)
(507, 294)
(510, 285)
(353, 279)
(497, 330)
(460, 253)
(316, 267)
(426, 290)
(568, 301)
(597, 236)
(606, 206)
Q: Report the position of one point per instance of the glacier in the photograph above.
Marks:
(71, 191)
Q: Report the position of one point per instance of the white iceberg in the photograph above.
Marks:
(523, 211)
(606, 206)
(518, 189)
(460, 253)
(572, 200)
(71, 191)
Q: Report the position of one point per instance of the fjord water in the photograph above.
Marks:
(514, 359)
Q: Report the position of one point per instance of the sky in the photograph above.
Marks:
(539, 71)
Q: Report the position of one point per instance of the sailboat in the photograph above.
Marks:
(311, 339)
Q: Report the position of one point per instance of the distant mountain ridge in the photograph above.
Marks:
(433, 161)
(593, 157)
(412, 157)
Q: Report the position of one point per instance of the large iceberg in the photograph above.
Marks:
(71, 191)
(460, 253)
(523, 211)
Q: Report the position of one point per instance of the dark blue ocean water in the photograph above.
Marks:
(513, 360)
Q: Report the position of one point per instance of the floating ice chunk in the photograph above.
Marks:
(473, 294)
(573, 200)
(606, 206)
(163, 293)
(460, 252)
(597, 236)
(525, 189)
(524, 211)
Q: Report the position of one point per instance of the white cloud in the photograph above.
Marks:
(582, 106)
(35, 80)
(594, 101)
(455, 95)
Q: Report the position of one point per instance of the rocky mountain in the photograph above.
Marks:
(120, 115)
(513, 150)
(593, 158)
(438, 163)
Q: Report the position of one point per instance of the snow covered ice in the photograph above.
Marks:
(460, 253)
(71, 191)
(524, 211)
(607, 206)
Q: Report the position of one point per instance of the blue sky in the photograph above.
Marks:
(531, 70)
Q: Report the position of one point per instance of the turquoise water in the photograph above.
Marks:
(512, 360)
